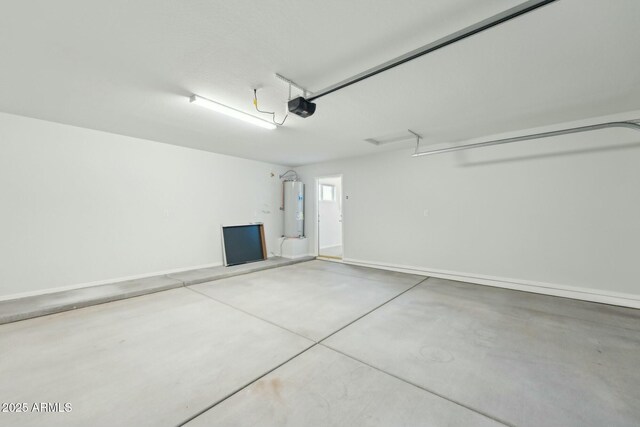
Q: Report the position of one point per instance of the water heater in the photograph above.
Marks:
(293, 208)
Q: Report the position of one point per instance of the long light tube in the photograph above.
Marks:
(231, 112)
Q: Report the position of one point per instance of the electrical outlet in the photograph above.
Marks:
(426, 213)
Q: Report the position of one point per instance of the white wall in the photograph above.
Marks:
(559, 215)
(82, 206)
(330, 230)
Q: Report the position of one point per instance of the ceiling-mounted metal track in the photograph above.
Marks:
(628, 125)
(291, 84)
(505, 16)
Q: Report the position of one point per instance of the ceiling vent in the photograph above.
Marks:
(391, 138)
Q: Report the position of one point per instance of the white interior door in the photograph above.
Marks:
(330, 217)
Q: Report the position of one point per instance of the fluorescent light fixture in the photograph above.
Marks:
(231, 112)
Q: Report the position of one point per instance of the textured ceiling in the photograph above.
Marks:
(128, 67)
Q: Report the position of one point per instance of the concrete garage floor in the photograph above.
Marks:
(326, 344)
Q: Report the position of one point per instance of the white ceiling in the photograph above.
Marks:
(128, 67)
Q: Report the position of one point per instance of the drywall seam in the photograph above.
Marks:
(583, 294)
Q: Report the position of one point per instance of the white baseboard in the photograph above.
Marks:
(104, 282)
(584, 294)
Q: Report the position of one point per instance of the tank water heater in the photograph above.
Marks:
(293, 208)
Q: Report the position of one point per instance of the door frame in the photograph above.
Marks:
(316, 217)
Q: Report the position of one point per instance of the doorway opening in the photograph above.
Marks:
(330, 217)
